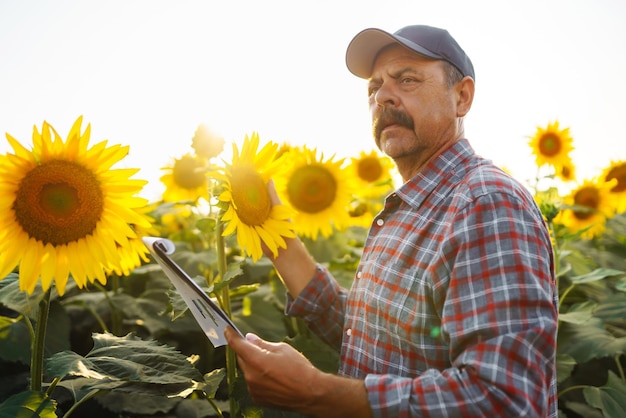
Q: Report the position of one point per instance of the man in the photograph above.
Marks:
(453, 310)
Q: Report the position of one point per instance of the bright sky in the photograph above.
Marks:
(146, 73)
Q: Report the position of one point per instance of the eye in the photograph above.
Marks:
(372, 89)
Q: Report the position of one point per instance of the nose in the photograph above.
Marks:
(384, 96)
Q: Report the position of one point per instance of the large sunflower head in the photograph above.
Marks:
(206, 143)
(615, 174)
(319, 191)
(587, 207)
(185, 179)
(135, 253)
(552, 145)
(246, 201)
(64, 210)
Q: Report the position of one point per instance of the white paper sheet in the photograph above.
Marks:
(211, 318)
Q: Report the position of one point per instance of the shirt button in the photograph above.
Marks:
(349, 332)
(358, 275)
(379, 222)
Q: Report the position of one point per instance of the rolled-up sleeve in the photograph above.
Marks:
(321, 305)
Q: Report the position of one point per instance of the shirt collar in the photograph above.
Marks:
(443, 169)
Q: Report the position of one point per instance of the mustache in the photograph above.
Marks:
(389, 116)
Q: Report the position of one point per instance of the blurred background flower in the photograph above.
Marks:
(206, 143)
(615, 174)
(319, 190)
(185, 179)
(551, 147)
(587, 208)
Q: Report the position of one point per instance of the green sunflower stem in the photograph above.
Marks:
(231, 360)
(38, 344)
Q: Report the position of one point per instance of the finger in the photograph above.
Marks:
(233, 338)
(247, 347)
(259, 342)
(252, 338)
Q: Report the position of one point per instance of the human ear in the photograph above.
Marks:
(465, 95)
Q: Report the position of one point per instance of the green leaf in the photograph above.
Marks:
(565, 365)
(588, 341)
(580, 409)
(78, 387)
(139, 403)
(206, 225)
(13, 298)
(610, 398)
(14, 340)
(198, 408)
(194, 264)
(145, 311)
(578, 313)
(212, 381)
(597, 274)
(242, 291)
(58, 330)
(15, 336)
(267, 319)
(613, 308)
(621, 284)
(565, 269)
(115, 360)
(28, 405)
(234, 270)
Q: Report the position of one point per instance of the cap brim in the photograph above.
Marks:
(365, 46)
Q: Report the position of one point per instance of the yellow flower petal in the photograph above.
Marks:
(68, 210)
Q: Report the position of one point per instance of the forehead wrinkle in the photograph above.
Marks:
(393, 73)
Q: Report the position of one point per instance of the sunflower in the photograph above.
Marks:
(552, 146)
(566, 171)
(185, 179)
(319, 191)
(372, 172)
(284, 148)
(248, 208)
(615, 174)
(362, 211)
(206, 143)
(135, 253)
(587, 208)
(64, 211)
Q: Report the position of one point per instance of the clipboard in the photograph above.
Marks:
(211, 318)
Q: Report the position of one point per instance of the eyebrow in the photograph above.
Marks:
(395, 74)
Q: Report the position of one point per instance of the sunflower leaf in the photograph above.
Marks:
(14, 337)
(28, 404)
(588, 341)
(578, 313)
(13, 298)
(610, 398)
(565, 365)
(116, 362)
(597, 274)
(234, 270)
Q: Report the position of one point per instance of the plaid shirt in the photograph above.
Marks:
(453, 310)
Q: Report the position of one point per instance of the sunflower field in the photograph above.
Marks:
(90, 325)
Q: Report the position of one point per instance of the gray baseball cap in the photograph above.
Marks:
(425, 40)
